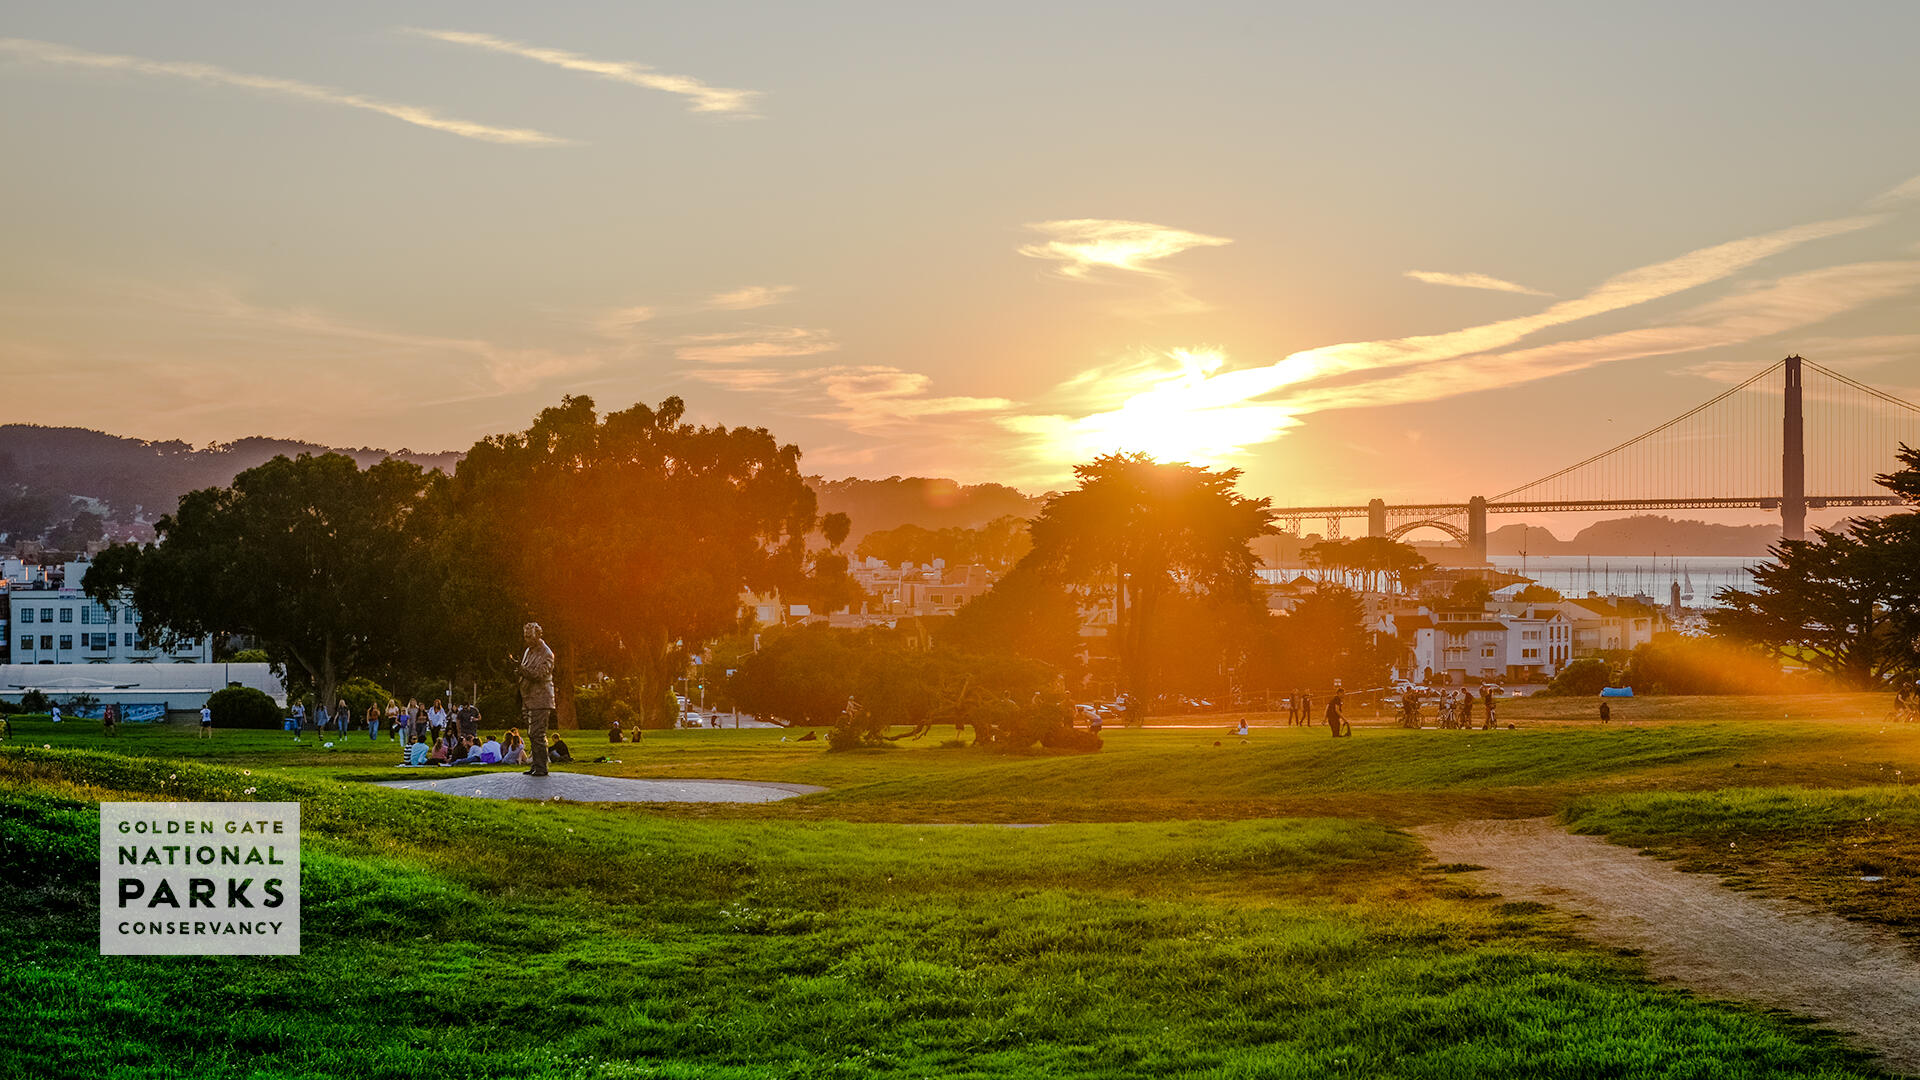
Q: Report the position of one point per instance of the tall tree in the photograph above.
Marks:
(307, 555)
(1847, 602)
(630, 536)
(1136, 531)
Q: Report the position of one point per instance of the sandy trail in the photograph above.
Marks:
(1692, 930)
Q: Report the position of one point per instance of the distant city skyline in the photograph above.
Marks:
(1384, 250)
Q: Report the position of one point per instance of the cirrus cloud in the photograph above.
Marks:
(1084, 245)
(420, 116)
(1473, 281)
(706, 99)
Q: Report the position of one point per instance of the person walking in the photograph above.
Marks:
(536, 693)
(373, 722)
(1337, 715)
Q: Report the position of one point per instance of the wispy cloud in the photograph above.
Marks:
(703, 98)
(1084, 245)
(1189, 405)
(420, 116)
(753, 296)
(292, 330)
(1473, 281)
(761, 343)
(1632, 288)
(1898, 195)
(1751, 314)
(622, 322)
(867, 399)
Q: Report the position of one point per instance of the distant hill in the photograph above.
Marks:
(928, 502)
(43, 470)
(70, 485)
(1642, 534)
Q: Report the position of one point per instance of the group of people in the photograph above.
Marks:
(1455, 708)
(455, 748)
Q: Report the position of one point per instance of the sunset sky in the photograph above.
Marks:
(1398, 250)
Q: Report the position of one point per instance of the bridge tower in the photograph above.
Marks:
(1376, 517)
(1793, 460)
(1477, 530)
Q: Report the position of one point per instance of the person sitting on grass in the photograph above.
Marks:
(442, 750)
(417, 754)
(514, 750)
(467, 753)
(613, 732)
(557, 749)
(490, 752)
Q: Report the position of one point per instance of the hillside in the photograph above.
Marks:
(51, 476)
(930, 503)
(67, 486)
(1641, 534)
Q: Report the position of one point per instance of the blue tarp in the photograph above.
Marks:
(1617, 691)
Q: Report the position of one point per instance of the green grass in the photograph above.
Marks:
(1232, 911)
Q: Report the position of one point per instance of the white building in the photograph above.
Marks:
(1524, 643)
(1606, 624)
(54, 622)
(137, 691)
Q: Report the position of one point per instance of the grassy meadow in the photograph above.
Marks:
(1197, 905)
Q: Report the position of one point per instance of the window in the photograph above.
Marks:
(99, 642)
(1487, 651)
(66, 614)
(46, 641)
(46, 614)
(1529, 654)
(66, 641)
(26, 614)
(26, 644)
(86, 615)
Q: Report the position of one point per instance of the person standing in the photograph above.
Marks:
(206, 722)
(536, 694)
(1606, 712)
(1306, 708)
(1336, 715)
(1293, 708)
(1466, 709)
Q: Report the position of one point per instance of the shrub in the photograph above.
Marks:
(34, 701)
(1582, 678)
(251, 656)
(244, 707)
(361, 693)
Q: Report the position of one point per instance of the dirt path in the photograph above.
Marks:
(1694, 931)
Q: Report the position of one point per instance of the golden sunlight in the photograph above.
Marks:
(1193, 413)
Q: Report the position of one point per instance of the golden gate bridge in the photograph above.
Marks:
(1751, 439)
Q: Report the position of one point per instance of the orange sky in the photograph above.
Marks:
(1385, 250)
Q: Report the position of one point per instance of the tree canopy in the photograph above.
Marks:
(309, 556)
(1845, 603)
(630, 536)
(1137, 531)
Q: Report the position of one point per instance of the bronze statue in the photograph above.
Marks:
(536, 694)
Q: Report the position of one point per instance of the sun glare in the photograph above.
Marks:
(1195, 413)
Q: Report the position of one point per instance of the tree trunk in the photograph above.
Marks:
(563, 685)
(329, 678)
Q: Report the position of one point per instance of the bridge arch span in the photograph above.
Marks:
(1447, 527)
